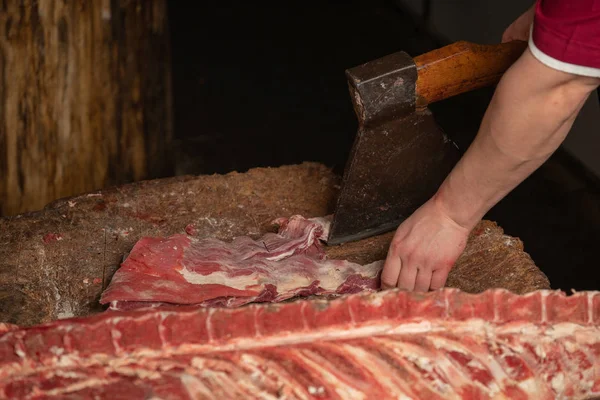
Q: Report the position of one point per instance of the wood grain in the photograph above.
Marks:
(462, 67)
(84, 97)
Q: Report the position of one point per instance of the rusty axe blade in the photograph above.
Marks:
(400, 156)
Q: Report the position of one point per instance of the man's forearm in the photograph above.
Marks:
(529, 116)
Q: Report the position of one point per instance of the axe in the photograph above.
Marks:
(400, 156)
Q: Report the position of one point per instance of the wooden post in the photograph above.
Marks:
(85, 97)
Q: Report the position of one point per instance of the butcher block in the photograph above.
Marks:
(55, 263)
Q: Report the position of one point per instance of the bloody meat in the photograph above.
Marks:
(387, 345)
(276, 267)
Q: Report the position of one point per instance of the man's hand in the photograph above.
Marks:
(519, 29)
(525, 123)
(424, 249)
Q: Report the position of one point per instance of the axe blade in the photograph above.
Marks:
(400, 156)
(394, 167)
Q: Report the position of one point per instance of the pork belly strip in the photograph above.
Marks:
(391, 344)
(185, 270)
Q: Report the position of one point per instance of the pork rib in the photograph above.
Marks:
(184, 270)
(387, 345)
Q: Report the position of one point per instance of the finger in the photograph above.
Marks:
(438, 279)
(423, 280)
(407, 277)
(507, 37)
(391, 271)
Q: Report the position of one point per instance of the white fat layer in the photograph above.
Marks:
(88, 383)
(195, 388)
(329, 274)
(558, 382)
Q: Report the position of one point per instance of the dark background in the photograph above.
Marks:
(264, 85)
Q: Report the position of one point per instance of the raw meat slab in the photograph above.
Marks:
(209, 272)
(387, 345)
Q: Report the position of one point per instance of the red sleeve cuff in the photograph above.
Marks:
(568, 31)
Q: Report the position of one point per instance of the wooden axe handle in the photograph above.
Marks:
(462, 67)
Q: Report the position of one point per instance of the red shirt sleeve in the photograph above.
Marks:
(568, 31)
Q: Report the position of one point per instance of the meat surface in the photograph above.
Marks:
(387, 345)
(209, 272)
